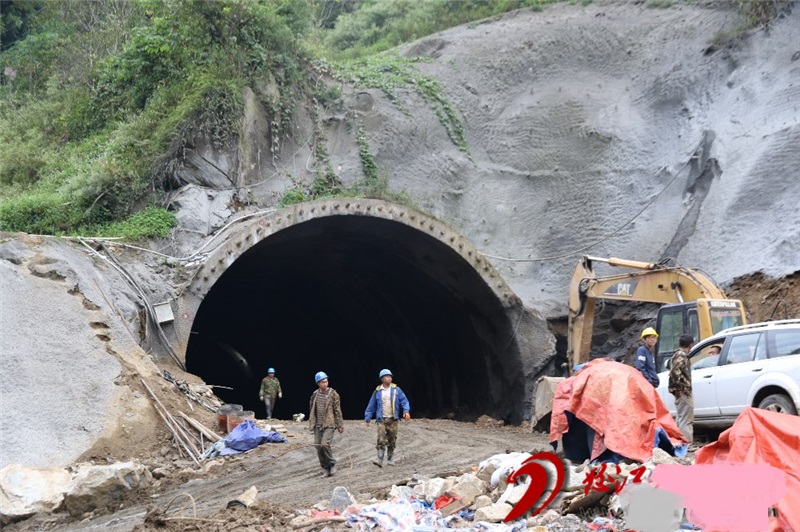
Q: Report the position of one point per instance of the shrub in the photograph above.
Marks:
(151, 222)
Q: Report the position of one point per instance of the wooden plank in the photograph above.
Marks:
(200, 428)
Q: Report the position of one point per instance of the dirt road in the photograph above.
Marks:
(288, 475)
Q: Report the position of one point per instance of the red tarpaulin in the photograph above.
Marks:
(763, 437)
(616, 401)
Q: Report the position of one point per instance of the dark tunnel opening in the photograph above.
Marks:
(350, 295)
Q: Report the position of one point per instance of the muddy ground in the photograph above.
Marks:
(288, 476)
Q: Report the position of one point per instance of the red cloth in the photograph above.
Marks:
(760, 436)
(443, 501)
(616, 401)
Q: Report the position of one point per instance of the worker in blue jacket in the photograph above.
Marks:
(644, 357)
(387, 405)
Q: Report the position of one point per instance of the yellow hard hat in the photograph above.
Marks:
(649, 332)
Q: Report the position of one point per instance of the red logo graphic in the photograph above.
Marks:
(598, 480)
(538, 485)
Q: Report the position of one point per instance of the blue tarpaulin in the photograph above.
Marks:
(248, 436)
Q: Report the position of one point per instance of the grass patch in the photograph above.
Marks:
(151, 222)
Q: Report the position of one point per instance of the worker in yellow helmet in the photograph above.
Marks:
(644, 356)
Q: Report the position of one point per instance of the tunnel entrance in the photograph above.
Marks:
(350, 295)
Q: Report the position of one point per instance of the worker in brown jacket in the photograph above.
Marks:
(325, 417)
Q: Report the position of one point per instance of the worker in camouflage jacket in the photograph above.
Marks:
(680, 385)
(270, 391)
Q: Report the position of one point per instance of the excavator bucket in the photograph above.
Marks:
(543, 394)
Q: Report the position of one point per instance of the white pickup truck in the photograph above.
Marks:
(759, 366)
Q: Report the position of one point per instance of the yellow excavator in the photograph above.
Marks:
(692, 304)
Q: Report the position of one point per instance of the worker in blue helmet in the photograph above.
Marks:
(324, 419)
(387, 405)
(270, 391)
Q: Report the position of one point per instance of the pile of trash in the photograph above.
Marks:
(483, 498)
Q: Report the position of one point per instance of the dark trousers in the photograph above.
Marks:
(269, 402)
(323, 438)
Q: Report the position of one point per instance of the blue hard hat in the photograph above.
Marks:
(271, 370)
(384, 372)
(320, 375)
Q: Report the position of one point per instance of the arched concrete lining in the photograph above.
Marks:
(478, 311)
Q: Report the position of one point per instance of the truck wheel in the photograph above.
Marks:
(778, 403)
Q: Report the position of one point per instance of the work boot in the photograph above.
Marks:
(389, 454)
(379, 461)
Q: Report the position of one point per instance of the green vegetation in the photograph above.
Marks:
(100, 101)
(756, 13)
(760, 12)
(150, 222)
(369, 26)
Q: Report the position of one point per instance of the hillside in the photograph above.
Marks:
(612, 129)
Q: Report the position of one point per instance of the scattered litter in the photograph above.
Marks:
(246, 499)
(200, 394)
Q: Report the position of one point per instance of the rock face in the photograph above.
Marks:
(25, 491)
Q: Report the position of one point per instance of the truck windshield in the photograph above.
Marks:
(722, 319)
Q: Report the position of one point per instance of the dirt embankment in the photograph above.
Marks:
(766, 298)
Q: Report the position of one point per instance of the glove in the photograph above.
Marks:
(261, 397)
(280, 396)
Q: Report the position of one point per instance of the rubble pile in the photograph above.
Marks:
(479, 499)
(482, 499)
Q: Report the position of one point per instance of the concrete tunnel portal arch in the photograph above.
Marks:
(350, 287)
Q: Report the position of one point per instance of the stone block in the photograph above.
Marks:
(469, 487)
(341, 499)
(494, 513)
(482, 501)
(101, 486)
(25, 491)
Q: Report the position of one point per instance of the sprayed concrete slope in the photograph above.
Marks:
(62, 375)
(576, 117)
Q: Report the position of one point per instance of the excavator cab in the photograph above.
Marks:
(700, 319)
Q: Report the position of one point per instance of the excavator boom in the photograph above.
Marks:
(650, 282)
